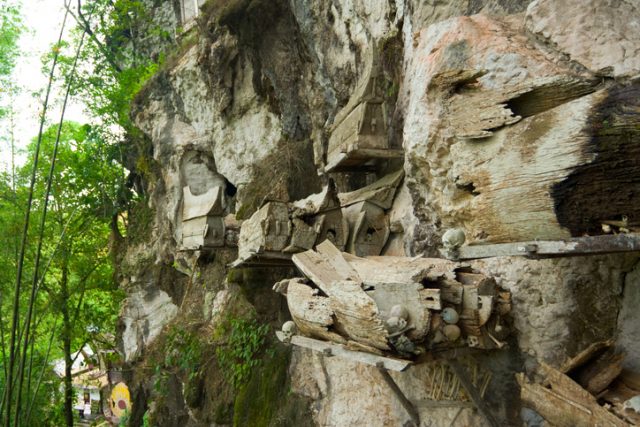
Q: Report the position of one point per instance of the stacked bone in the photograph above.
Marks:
(394, 305)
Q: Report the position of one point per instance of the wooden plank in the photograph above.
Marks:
(311, 312)
(451, 291)
(553, 407)
(406, 403)
(315, 267)
(476, 114)
(338, 350)
(566, 404)
(316, 203)
(473, 393)
(355, 311)
(336, 258)
(431, 298)
(597, 376)
(585, 355)
(358, 314)
(347, 161)
(565, 386)
(303, 236)
(268, 258)
(380, 269)
(588, 245)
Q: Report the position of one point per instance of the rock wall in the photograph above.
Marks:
(492, 102)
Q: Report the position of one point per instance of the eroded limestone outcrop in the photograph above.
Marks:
(511, 125)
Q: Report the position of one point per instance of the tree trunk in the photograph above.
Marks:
(66, 342)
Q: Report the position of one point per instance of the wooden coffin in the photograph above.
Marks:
(322, 213)
(353, 301)
(359, 133)
(202, 221)
(369, 228)
(266, 234)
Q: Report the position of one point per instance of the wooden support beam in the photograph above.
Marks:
(267, 258)
(338, 350)
(473, 393)
(578, 246)
(406, 403)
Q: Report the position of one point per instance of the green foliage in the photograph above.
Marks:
(114, 65)
(10, 29)
(245, 342)
(183, 352)
(75, 254)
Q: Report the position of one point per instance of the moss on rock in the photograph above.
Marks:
(265, 401)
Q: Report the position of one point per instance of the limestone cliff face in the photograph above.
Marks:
(489, 101)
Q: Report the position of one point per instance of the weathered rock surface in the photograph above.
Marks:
(144, 314)
(603, 36)
(511, 130)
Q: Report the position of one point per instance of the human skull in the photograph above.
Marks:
(473, 341)
(452, 332)
(288, 330)
(450, 316)
(453, 238)
(633, 404)
(395, 323)
(399, 311)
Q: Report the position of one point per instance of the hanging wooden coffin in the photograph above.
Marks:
(266, 234)
(359, 133)
(332, 225)
(369, 228)
(202, 222)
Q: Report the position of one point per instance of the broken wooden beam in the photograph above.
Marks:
(406, 403)
(339, 350)
(564, 403)
(577, 246)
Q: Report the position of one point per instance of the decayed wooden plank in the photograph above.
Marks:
(553, 407)
(378, 269)
(585, 355)
(588, 245)
(369, 228)
(355, 311)
(316, 203)
(451, 291)
(597, 376)
(358, 314)
(564, 385)
(341, 161)
(316, 268)
(431, 298)
(303, 236)
(336, 258)
(332, 349)
(311, 313)
(542, 178)
(566, 404)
